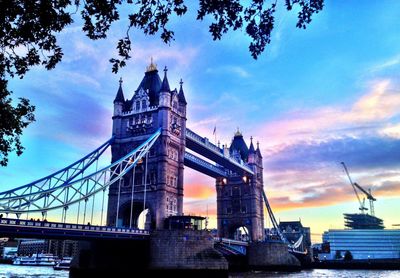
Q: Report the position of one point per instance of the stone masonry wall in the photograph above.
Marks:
(184, 249)
(270, 255)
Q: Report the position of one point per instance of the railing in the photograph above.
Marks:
(192, 135)
(231, 241)
(197, 160)
(68, 226)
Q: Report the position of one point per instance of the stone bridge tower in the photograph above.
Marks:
(239, 197)
(153, 105)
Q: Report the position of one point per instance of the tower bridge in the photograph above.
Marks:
(149, 144)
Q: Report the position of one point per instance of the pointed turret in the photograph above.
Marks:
(239, 145)
(252, 152)
(251, 149)
(165, 84)
(181, 95)
(258, 152)
(165, 92)
(120, 94)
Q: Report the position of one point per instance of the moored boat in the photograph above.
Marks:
(36, 260)
(64, 264)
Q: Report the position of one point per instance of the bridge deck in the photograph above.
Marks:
(55, 230)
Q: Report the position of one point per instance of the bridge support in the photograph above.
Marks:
(179, 252)
(110, 258)
(271, 256)
(185, 250)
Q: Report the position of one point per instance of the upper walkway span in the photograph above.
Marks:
(204, 147)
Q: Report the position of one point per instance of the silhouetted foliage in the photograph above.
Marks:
(28, 31)
(13, 121)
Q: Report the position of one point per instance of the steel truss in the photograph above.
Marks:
(59, 178)
(72, 191)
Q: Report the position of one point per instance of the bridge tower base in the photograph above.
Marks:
(186, 250)
(181, 253)
(271, 256)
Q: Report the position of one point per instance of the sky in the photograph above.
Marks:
(314, 98)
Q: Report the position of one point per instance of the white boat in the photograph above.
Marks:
(64, 264)
(36, 260)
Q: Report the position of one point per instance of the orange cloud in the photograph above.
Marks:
(382, 102)
(198, 191)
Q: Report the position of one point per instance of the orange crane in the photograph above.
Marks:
(368, 194)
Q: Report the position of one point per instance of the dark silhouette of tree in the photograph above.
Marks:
(348, 256)
(28, 30)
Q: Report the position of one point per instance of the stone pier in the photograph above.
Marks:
(271, 256)
(177, 252)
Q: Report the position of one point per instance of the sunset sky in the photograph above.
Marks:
(314, 98)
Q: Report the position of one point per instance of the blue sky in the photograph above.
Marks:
(315, 97)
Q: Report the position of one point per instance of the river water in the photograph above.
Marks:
(14, 271)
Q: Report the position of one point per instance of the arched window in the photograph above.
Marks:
(137, 105)
(144, 104)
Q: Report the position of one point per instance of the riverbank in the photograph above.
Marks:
(383, 264)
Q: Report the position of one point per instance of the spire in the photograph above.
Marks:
(120, 95)
(181, 95)
(251, 149)
(258, 150)
(238, 133)
(152, 66)
(165, 84)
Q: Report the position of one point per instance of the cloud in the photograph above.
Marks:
(181, 56)
(199, 191)
(387, 64)
(372, 152)
(229, 69)
(368, 114)
(303, 150)
(331, 193)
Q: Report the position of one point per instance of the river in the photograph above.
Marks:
(13, 271)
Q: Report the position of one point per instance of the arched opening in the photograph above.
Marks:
(132, 215)
(240, 233)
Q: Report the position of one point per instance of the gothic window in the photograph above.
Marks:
(244, 209)
(144, 104)
(137, 105)
(175, 105)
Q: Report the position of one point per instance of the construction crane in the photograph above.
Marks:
(367, 194)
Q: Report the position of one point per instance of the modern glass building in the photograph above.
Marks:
(363, 244)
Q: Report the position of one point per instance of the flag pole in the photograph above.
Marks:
(215, 135)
